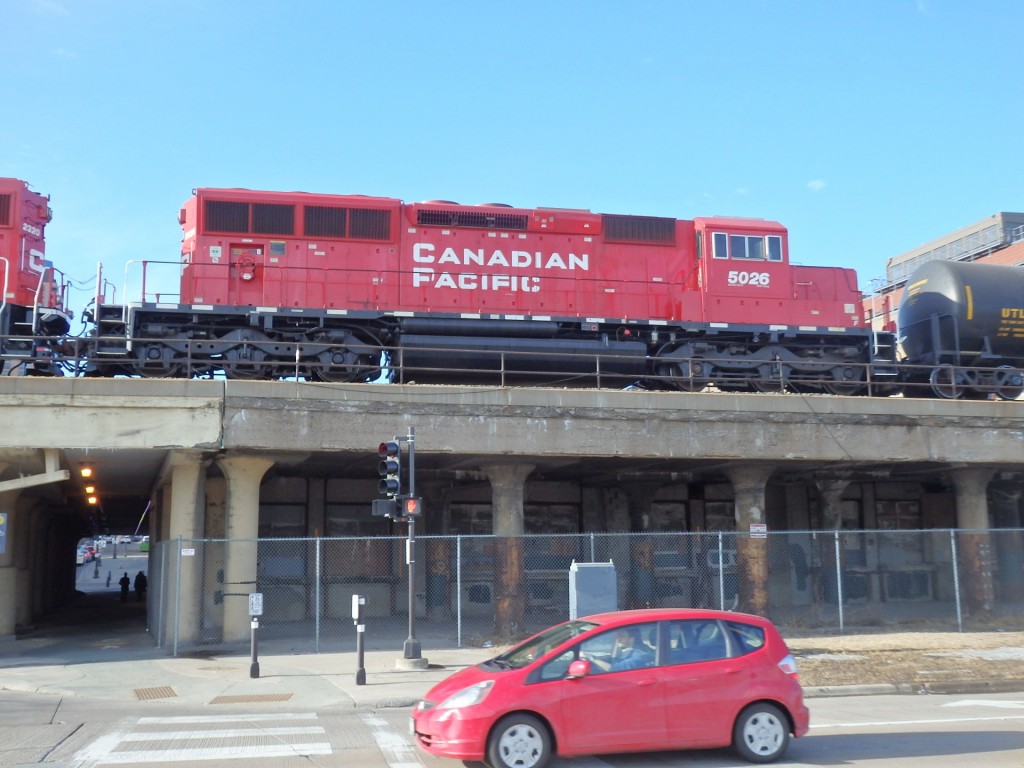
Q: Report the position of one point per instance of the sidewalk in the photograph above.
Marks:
(103, 652)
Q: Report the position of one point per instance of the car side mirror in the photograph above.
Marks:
(578, 668)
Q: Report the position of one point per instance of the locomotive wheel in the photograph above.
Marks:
(156, 361)
(1009, 382)
(339, 365)
(850, 382)
(690, 375)
(246, 362)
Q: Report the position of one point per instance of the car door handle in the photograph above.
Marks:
(647, 681)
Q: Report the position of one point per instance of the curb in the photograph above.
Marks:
(951, 687)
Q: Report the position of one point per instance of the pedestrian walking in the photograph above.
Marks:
(125, 583)
(140, 586)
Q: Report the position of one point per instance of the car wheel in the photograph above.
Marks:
(519, 741)
(761, 733)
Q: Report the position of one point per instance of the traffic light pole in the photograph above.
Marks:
(411, 649)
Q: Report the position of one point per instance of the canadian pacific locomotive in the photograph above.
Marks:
(352, 288)
(348, 288)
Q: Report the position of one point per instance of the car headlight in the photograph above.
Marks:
(467, 697)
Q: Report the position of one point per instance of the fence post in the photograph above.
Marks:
(316, 595)
(458, 591)
(839, 583)
(721, 573)
(956, 580)
(593, 553)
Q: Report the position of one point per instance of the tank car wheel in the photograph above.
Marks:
(1009, 382)
(948, 383)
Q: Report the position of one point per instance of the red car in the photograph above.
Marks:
(630, 681)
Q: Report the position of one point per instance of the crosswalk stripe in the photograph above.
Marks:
(107, 750)
(213, 753)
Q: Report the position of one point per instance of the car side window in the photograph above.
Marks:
(621, 649)
(558, 667)
(746, 637)
(693, 640)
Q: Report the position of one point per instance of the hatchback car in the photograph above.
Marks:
(629, 681)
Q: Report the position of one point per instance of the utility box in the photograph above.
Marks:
(592, 589)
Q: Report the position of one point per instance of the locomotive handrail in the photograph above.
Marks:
(72, 353)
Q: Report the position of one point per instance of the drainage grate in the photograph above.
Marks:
(160, 692)
(252, 698)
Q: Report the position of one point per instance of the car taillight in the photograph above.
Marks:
(788, 665)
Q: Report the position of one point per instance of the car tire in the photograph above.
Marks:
(761, 733)
(519, 741)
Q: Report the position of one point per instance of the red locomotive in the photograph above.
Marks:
(33, 312)
(354, 288)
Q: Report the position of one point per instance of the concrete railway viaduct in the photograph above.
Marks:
(239, 460)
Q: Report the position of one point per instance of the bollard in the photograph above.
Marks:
(255, 611)
(254, 666)
(358, 601)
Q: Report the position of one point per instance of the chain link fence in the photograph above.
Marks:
(474, 590)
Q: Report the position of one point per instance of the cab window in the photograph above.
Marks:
(747, 247)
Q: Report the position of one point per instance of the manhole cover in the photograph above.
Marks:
(160, 692)
(252, 698)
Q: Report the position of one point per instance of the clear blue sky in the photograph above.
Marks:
(865, 126)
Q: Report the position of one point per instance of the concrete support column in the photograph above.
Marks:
(641, 549)
(751, 554)
(243, 474)
(975, 543)
(184, 504)
(8, 568)
(1004, 504)
(831, 491)
(508, 489)
(439, 553)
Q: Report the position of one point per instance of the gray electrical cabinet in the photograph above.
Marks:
(592, 589)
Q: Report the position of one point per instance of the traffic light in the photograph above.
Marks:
(390, 468)
(412, 506)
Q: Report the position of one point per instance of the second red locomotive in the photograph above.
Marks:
(33, 302)
(354, 288)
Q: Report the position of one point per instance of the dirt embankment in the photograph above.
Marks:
(915, 658)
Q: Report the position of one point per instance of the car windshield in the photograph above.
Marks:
(538, 645)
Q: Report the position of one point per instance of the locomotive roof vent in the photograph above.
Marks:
(639, 229)
(428, 217)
